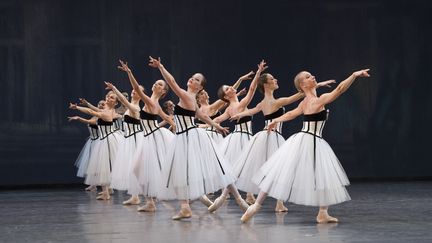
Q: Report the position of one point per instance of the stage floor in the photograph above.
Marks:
(379, 212)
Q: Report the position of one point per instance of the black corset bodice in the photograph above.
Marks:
(94, 131)
(270, 117)
(244, 125)
(131, 125)
(105, 128)
(314, 123)
(149, 122)
(184, 119)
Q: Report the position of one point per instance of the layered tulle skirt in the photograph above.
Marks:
(304, 173)
(102, 160)
(254, 155)
(148, 162)
(83, 159)
(195, 166)
(233, 145)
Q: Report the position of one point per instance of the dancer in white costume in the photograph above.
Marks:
(82, 161)
(196, 165)
(263, 144)
(235, 142)
(150, 158)
(213, 110)
(122, 177)
(305, 170)
(168, 108)
(99, 172)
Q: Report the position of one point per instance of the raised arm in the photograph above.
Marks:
(91, 121)
(290, 115)
(243, 78)
(248, 112)
(134, 83)
(248, 98)
(225, 116)
(156, 63)
(168, 119)
(121, 97)
(88, 104)
(342, 87)
(89, 111)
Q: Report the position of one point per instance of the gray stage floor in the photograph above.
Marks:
(378, 212)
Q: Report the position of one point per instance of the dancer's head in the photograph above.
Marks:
(202, 97)
(111, 99)
(101, 104)
(197, 82)
(168, 107)
(134, 94)
(126, 95)
(304, 81)
(226, 93)
(160, 87)
(267, 81)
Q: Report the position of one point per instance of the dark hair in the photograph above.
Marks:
(203, 81)
(165, 106)
(261, 81)
(221, 93)
(166, 88)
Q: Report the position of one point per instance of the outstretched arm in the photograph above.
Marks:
(243, 78)
(91, 121)
(247, 99)
(289, 100)
(88, 111)
(121, 97)
(203, 117)
(222, 117)
(156, 63)
(88, 104)
(248, 112)
(147, 101)
(342, 87)
(290, 115)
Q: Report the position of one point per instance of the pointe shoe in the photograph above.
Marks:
(148, 207)
(183, 214)
(206, 201)
(250, 199)
(132, 201)
(104, 196)
(324, 218)
(242, 203)
(217, 203)
(250, 212)
(280, 207)
(91, 188)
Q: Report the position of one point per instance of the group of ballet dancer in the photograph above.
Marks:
(130, 150)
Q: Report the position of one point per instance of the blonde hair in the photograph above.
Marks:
(297, 79)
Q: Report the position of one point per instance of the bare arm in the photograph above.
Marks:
(248, 98)
(290, 115)
(88, 111)
(91, 121)
(166, 118)
(222, 117)
(121, 97)
(134, 83)
(203, 117)
(88, 104)
(243, 78)
(248, 112)
(289, 100)
(342, 87)
(181, 93)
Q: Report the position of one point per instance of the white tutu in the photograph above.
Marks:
(215, 135)
(304, 173)
(101, 160)
(236, 141)
(82, 161)
(149, 161)
(258, 150)
(196, 166)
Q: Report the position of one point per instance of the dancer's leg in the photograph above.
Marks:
(185, 211)
(323, 217)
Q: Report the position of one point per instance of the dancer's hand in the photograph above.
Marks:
(155, 63)
(271, 126)
(236, 117)
(73, 106)
(123, 66)
(109, 86)
(326, 83)
(223, 130)
(72, 118)
(242, 92)
(247, 76)
(262, 66)
(362, 73)
(82, 101)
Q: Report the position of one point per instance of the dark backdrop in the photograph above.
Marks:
(52, 52)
